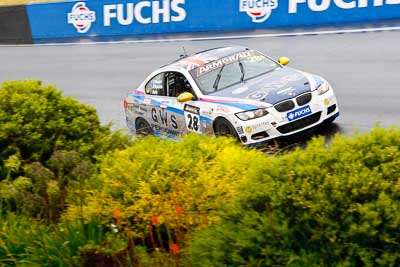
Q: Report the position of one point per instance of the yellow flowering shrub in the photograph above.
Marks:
(178, 184)
(335, 204)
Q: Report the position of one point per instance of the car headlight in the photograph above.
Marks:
(251, 114)
(323, 88)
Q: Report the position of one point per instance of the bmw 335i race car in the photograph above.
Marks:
(230, 91)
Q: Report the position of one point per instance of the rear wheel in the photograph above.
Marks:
(143, 127)
(222, 127)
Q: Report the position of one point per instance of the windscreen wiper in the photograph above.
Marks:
(216, 82)
(242, 70)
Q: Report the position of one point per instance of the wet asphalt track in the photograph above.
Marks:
(363, 68)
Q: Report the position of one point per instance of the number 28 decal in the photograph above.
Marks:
(192, 118)
(193, 122)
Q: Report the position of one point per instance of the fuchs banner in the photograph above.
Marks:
(136, 17)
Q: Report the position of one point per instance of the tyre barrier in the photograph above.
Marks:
(94, 19)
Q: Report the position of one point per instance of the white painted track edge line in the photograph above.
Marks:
(226, 37)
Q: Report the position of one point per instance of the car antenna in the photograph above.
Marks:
(184, 53)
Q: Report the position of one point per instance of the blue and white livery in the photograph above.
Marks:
(230, 91)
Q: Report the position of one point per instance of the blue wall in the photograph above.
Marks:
(51, 20)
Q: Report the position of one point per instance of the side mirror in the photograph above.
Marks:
(184, 97)
(284, 60)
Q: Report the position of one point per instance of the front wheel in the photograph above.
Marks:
(223, 127)
(143, 127)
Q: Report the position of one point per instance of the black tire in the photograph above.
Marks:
(143, 127)
(223, 127)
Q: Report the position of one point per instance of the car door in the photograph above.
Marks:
(189, 112)
(162, 119)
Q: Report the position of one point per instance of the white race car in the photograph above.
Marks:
(230, 91)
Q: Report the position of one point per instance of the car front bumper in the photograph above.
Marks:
(277, 124)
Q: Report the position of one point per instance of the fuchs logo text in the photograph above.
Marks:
(258, 10)
(145, 12)
(81, 17)
(323, 5)
(299, 113)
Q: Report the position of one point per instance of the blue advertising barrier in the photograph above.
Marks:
(137, 17)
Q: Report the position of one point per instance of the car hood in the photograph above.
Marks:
(273, 87)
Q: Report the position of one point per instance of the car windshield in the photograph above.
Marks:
(225, 72)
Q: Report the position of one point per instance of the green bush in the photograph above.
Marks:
(203, 201)
(26, 242)
(37, 120)
(161, 191)
(326, 205)
(47, 143)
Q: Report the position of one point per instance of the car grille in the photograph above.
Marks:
(299, 124)
(304, 99)
(289, 104)
(285, 106)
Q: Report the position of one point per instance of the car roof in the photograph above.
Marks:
(204, 57)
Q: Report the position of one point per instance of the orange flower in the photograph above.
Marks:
(174, 248)
(117, 214)
(154, 219)
(179, 211)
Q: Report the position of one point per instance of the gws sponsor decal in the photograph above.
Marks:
(258, 10)
(81, 17)
(145, 12)
(323, 5)
(299, 113)
(162, 117)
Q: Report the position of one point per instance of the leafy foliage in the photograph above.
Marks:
(162, 191)
(37, 120)
(336, 205)
(25, 242)
(47, 141)
(74, 194)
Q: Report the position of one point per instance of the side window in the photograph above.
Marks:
(177, 84)
(155, 86)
